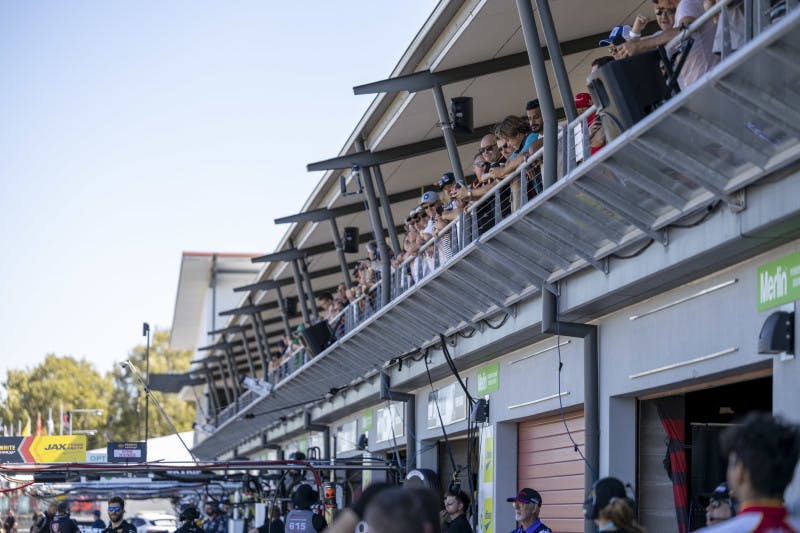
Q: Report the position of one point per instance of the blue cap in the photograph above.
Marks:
(429, 197)
(618, 35)
(446, 179)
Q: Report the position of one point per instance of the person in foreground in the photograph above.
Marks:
(610, 508)
(762, 453)
(527, 505)
(116, 522)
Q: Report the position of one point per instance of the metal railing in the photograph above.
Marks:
(511, 193)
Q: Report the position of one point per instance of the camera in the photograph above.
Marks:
(495, 164)
(439, 209)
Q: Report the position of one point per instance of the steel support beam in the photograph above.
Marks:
(261, 343)
(556, 59)
(542, 85)
(447, 133)
(377, 229)
(249, 356)
(312, 299)
(387, 209)
(229, 396)
(389, 395)
(337, 243)
(301, 295)
(287, 330)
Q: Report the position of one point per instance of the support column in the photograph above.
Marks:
(556, 59)
(226, 390)
(234, 374)
(301, 295)
(260, 344)
(377, 229)
(387, 209)
(284, 316)
(337, 242)
(542, 85)
(447, 133)
(312, 300)
(212, 388)
(248, 355)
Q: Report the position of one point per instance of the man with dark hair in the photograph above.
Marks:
(456, 506)
(534, 113)
(62, 523)
(762, 452)
(301, 517)
(213, 522)
(402, 510)
(43, 525)
(116, 511)
(527, 506)
(188, 518)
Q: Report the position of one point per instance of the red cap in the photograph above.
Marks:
(583, 100)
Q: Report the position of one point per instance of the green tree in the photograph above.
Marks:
(127, 402)
(57, 381)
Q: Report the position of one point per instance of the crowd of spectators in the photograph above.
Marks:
(513, 140)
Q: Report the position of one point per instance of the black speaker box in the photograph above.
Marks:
(350, 240)
(461, 110)
(317, 337)
(627, 90)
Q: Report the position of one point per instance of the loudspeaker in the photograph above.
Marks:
(777, 334)
(350, 240)
(627, 90)
(317, 337)
(291, 307)
(461, 111)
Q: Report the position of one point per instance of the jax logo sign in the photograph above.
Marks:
(50, 449)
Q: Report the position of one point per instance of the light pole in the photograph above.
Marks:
(146, 333)
(96, 412)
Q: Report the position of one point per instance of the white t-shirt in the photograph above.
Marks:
(701, 58)
(735, 27)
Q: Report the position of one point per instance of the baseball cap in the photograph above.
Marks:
(429, 197)
(526, 495)
(96, 512)
(583, 100)
(446, 179)
(606, 489)
(721, 492)
(618, 35)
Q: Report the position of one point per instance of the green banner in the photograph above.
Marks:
(488, 379)
(366, 421)
(779, 282)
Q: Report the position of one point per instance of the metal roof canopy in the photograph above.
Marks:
(597, 212)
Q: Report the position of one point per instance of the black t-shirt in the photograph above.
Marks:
(64, 524)
(276, 526)
(123, 527)
(459, 525)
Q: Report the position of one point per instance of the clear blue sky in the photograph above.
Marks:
(131, 131)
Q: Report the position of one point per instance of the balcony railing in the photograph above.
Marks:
(679, 160)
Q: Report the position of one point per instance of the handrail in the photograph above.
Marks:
(365, 305)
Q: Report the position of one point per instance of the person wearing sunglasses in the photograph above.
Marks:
(700, 58)
(489, 150)
(116, 511)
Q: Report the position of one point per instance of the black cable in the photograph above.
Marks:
(560, 402)
(709, 211)
(636, 253)
(499, 325)
(454, 370)
(441, 421)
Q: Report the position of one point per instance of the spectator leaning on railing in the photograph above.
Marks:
(700, 58)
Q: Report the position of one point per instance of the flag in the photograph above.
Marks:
(38, 424)
(26, 431)
(50, 424)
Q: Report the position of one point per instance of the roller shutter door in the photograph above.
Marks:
(548, 463)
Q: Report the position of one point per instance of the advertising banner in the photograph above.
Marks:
(126, 452)
(52, 449)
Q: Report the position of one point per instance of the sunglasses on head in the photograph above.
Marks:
(114, 508)
(669, 10)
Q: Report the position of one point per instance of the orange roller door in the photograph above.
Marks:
(548, 463)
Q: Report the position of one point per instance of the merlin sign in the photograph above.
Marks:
(52, 449)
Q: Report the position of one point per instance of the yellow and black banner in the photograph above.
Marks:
(53, 449)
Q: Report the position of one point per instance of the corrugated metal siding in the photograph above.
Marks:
(548, 463)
